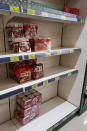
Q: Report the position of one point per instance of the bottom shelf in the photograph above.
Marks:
(51, 113)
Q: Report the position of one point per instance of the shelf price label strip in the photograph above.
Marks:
(34, 86)
(45, 82)
(82, 21)
(40, 55)
(59, 53)
(31, 12)
(63, 17)
(23, 89)
(57, 78)
(72, 51)
(44, 14)
(69, 74)
(32, 56)
(51, 80)
(15, 58)
(48, 54)
(63, 120)
(17, 9)
(14, 9)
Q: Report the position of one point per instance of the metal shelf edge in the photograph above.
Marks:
(65, 119)
(19, 57)
(6, 7)
(44, 82)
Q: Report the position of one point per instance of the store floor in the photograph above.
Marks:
(79, 123)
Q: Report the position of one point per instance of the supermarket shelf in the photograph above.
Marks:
(6, 57)
(52, 114)
(40, 14)
(10, 87)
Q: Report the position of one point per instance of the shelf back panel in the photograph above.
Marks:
(75, 36)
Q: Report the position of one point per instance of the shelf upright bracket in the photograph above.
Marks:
(83, 106)
(61, 42)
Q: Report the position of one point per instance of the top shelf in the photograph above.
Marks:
(39, 14)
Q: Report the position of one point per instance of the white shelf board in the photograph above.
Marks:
(9, 85)
(6, 57)
(9, 54)
(51, 112)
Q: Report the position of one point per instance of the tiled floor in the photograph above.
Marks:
(79, 123)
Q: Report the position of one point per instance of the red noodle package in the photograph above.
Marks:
(29, 99)
(39, 44)
(37, 71)
(20, 71)
(28, 106)
(15, 30)
(18, 45)
(30, 30)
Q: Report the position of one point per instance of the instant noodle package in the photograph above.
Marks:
(25, 38)
(28, 106)
(25, 70)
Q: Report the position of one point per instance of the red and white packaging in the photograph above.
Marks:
(37, 71)
(23, 74)
(23, 112)
(30, 30)
(15, 30)
(27, 101)
(28, 106)
(39, 44)
(36, 99)
(74, 11)
(25, 120)
(19, 45)
(28, 111)
(25, 70)
(20, 71)
(32, 62)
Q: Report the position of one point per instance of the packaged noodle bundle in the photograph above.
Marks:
(20, 71)
(18, 45)
(15, 30)
(28, 106)
(29, 99)
(39, 44)
(30, 30)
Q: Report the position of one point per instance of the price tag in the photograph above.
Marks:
(45, 82)
(57, 78)
(56, 125)
(51, 129)
(13, 59)
(72, 51)
(59, 53)
(31, 12)
(69, 74)
(73, 112)
(34, 86)
(64, 119)
(23, 89)
(44, 14)
(63, 17)
(48, 54)
(82, 21)
(31, 57)
(14, 9)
